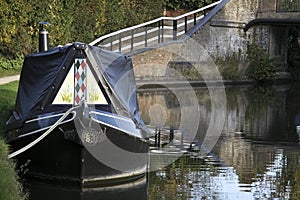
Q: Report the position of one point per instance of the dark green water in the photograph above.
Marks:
(256, 156)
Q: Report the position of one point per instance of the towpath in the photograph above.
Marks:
(9, 79)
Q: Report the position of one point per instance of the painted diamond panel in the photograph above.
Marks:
(80, 80)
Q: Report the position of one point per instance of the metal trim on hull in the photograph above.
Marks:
(93, 182)
(46, 117)
(45, 128)
(115, 180)
(132, 132)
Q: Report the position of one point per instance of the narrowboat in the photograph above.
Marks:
(76, 118)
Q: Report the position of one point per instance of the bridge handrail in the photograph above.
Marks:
(98, 40)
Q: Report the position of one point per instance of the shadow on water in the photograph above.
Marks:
(50, 191)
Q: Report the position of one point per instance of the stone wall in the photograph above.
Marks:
(224, 34)
(151, 65)
(222, 37)
(178, 61)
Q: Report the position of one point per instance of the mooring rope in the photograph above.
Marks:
(43, 135)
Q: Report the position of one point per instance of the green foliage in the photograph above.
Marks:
(72, 20)
(294, 53)
(187, 5)
(9, 187)
(8, 95)
(11, 64)
(229, 66)
(121, 14)
(89, 20)
(260, 67)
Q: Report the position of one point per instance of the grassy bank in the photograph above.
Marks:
(10, 188)
(7, 100)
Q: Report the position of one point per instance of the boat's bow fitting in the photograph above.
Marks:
(88, 133)
(79, 45)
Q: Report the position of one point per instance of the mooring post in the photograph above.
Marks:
(158, 138)
(181, 142)
(171, 134)
(155, 137)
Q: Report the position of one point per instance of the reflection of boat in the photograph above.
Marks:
(76, 117)
(47, 191)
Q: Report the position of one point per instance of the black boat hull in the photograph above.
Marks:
(62, 156)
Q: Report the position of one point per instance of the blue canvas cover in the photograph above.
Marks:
(43, 73)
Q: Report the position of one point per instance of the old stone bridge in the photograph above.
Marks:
(222, 29)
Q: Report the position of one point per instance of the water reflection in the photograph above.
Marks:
(256, 157)
(201, 178)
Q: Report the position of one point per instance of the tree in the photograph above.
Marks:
(71, 20)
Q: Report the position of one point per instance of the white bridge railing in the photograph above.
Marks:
(153, 32)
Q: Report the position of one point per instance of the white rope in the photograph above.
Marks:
(42, 136)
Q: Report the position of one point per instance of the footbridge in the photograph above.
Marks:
(233, 16)
(160, 31)
(223, 28)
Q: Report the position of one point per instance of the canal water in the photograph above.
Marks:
(256, 154)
